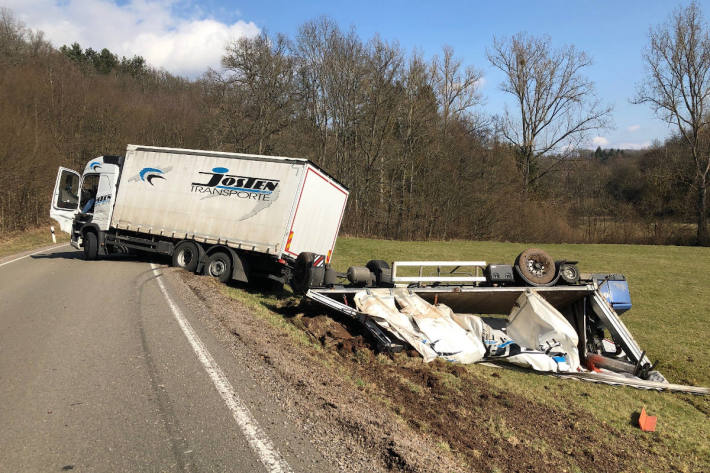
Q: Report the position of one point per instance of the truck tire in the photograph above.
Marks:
(186, 256)
(301, 272)
(535, 267)
(569, 273)
(219, 266)
(381, 270)
(91, 246)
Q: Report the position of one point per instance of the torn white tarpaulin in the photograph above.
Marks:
(429, 329)
(500, 347)
(535, 323)
(436, 331)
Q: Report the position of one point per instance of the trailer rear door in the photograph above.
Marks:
(317, 217)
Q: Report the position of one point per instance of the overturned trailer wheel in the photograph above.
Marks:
(382, 272)
(569, 273)
(536, 268)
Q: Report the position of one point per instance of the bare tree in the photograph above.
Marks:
(556, 104)
(261, 72)
(12, 35)
(457, 88)
(677, 87)
(415, 132)
(382, 68)
(312, 55)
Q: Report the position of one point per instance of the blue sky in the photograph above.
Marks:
(183, 36)
(613, 33)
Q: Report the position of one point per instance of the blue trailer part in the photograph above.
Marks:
(615, 289)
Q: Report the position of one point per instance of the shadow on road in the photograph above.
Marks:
(135, 258)
(58, 254)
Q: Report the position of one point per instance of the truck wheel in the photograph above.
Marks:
(569, 273)
(535, 267)
(381, 270)
(219, 266)
(91, 246)
(300, 279)
(186, 256)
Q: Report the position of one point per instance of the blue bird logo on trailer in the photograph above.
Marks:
(148, 174)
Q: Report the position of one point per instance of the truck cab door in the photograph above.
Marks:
(65, 200)
(103, 208)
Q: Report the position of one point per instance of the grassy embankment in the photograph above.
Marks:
(670, 319)
(18, 242)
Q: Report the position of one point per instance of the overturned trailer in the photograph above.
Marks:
(575, 316)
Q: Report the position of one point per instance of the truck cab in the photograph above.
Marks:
(85, 201)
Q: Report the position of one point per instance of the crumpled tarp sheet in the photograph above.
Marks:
(429, 329)
(541, 338)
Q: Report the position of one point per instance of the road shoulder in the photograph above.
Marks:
(344, 425)
(11, 258)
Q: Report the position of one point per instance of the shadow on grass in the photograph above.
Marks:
(634, 419)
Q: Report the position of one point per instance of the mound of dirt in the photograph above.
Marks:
(331, 334)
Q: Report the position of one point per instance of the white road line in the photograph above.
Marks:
(257, 438)
(35, 253)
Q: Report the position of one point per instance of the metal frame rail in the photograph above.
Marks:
(456, 276)
(616, 327)
(619, 380)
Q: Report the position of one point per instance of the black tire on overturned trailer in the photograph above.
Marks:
(535, 267)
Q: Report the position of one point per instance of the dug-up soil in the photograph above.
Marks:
(393, 412)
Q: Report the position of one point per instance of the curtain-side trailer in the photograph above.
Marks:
(229, 215)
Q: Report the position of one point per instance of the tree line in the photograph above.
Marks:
(405, 133)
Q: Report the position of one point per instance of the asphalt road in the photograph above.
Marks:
(104, 367)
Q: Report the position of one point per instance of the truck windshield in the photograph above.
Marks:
(89, 187)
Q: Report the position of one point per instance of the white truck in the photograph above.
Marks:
(228, 215)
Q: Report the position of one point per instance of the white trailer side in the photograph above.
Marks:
(248, 202)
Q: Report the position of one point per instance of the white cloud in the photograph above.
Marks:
(633, 128)
(643, 145)
(600, 141)
(148, 28)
